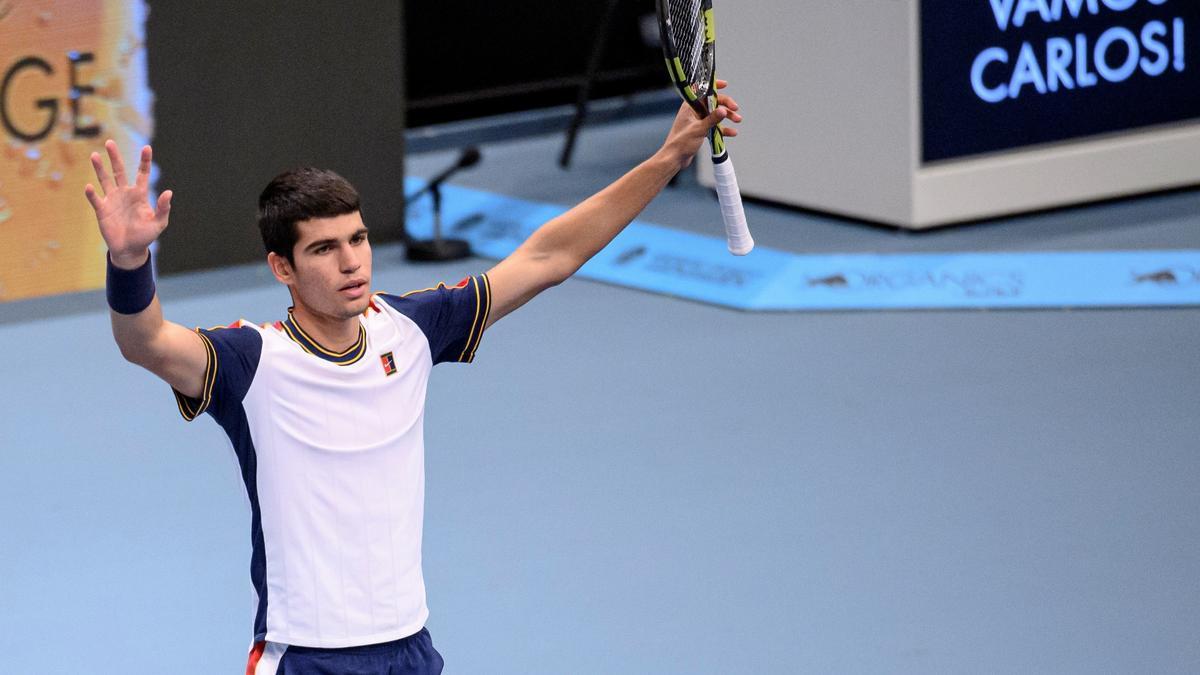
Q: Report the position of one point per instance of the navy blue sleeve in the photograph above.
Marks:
(233, 355)
(452, 317)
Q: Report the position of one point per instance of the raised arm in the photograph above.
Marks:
(129, 224)
(560, 247)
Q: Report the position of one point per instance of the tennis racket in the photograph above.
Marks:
(689, 39)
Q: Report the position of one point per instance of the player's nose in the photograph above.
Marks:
(349, 259)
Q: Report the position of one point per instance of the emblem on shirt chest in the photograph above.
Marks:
(389, 363)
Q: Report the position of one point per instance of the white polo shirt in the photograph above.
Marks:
(331, 449)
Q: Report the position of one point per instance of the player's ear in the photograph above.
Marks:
(281, 267)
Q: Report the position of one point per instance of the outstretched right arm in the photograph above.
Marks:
(129, 224)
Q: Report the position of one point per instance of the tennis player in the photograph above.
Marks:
(325, 407)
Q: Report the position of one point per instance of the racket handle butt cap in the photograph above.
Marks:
(741, 248)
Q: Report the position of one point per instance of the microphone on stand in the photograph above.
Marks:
(439, 249)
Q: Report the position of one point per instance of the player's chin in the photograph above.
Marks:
(358, 306)
(354, 301)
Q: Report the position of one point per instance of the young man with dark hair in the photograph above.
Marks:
(325, 408)
(302, 194)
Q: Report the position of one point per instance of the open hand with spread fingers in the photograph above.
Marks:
(127, 220)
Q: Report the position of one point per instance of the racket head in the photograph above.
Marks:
(689, 46)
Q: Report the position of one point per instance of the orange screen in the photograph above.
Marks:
(74, 74)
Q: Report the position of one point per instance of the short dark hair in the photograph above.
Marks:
(298, 195)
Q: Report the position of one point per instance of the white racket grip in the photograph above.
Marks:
(737, 233)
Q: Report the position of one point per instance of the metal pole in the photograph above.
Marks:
(585, 89)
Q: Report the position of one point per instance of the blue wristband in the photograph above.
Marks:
(130, 291)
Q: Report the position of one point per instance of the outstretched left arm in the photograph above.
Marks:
(557, 249)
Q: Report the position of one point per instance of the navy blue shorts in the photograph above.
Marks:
(413, 655)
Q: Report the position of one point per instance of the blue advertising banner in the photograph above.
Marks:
(697, 267)
(1004, 74)
(987, 281)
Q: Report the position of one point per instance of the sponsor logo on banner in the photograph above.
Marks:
(702, 270)
(684, 267)
(71, 75)
(831, 281)
(630, 255)
(971, 284)
(500, 229)
(1169, 276)
(469, 223)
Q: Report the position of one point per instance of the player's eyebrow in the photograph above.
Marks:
(332, 240)
(319, 243)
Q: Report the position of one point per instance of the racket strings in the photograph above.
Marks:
(686, 21)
